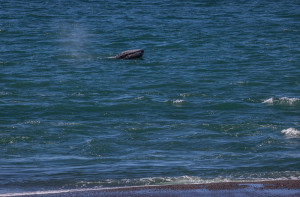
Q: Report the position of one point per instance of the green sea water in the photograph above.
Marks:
(216, 96)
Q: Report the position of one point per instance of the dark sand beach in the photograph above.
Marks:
(289, 188)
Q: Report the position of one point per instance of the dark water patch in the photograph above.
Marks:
(227, 106)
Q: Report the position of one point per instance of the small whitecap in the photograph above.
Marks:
(281, 101)
(178, 101)
(291, 132)
(185, 94)
(65, 123)
(269, 101)
(77, 94)
(140, 98)
(288, 100)
(33, 122)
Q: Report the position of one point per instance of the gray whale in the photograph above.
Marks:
(131, 54)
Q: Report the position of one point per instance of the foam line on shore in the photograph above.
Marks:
(285, 187)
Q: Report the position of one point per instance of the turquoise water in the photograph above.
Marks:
(216, 96)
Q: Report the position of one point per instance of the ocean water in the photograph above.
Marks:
(216, 96)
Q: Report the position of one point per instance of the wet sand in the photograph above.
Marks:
(278, 188)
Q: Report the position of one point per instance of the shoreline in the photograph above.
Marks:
(289, 188)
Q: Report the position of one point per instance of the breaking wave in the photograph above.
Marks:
(282, 101)
(291, 132)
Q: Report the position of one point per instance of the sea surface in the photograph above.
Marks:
(216, 96)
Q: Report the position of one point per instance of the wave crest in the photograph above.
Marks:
(291, 132)
(178, 101)
(282, 101)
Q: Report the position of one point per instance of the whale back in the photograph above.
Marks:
(131, 54)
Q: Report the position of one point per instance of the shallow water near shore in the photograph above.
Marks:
(216, 96)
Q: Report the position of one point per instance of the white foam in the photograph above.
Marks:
(140, 98)
(269, 101)
(185, 94)
(282, 100)
(178, 101)
(47, 192)
(291, 132)
(33, 122)
(65, 123)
